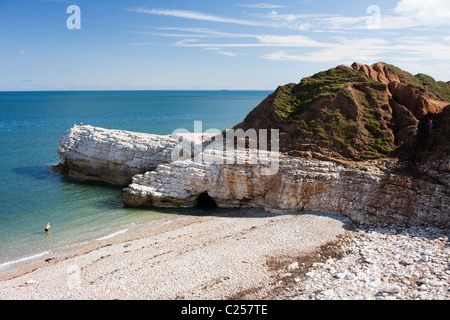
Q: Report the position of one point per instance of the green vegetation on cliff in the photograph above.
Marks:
(356, 113)
(440, 89)
(338, 109)
(293, 100)
(405, 76)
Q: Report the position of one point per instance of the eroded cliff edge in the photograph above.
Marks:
(362, 173)
(374, 191)
(358, 113)
(113, 156)
(384, 190)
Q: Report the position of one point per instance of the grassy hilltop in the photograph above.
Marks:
(357, 113)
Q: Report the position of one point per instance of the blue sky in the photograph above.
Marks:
(195, 45)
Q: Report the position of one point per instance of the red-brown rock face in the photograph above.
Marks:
(356, 113)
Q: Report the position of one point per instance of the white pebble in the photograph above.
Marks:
(392, 289)
(292, 266)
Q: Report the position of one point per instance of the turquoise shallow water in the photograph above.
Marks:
(31, 124)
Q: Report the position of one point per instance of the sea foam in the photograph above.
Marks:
(112, 235)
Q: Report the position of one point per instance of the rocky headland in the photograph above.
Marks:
(353, 140)
(354, 205)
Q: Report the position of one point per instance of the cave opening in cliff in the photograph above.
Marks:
(204, 200)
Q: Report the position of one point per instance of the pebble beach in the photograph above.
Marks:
(246, 254)
(381, 263)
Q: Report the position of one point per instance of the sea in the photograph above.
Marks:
(31, 194)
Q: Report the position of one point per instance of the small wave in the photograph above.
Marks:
(112, 235)
(22, 260)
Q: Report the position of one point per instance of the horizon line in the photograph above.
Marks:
(111, 90)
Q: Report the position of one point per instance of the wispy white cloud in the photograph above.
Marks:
(223, 52)
(289, 41)
(407, 14)
(343, 22)
(204, 32)
(191, 36)
(296, 21)
(271, 20)
(397, 41)
(362, 50)
(199, 16)
(141, 44)
(416, 13)
(261, 6)
(426, 51)
(289, 17)
(408, 51)
(260, 41)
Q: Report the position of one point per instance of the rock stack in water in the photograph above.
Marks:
(113, 156)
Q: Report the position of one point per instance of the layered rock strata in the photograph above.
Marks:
(114, 156)
(376, 191)
(372, 191)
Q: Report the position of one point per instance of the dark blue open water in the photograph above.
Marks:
(31, 124)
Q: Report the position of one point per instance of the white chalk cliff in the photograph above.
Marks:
(114, 156)
(373, 191)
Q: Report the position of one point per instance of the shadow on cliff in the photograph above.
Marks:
(206, 206)
(348, 224)
(214, 211)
